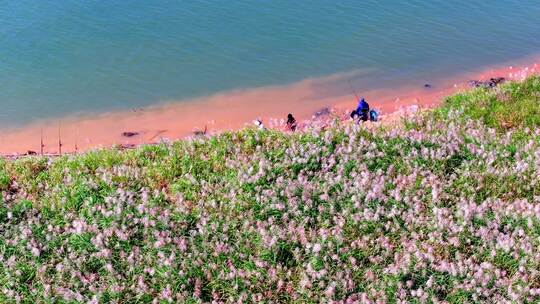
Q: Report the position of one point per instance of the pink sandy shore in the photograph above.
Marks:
(229, 111)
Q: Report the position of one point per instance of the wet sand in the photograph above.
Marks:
(233, 110)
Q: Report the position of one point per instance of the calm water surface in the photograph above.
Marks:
(61, 57)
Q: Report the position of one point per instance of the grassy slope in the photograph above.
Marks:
(514, 105)
(445, 208)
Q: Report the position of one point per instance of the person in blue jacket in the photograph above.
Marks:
(363, 109)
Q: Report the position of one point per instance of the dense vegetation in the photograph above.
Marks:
(445, 208)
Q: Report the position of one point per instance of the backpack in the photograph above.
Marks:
(373, 115)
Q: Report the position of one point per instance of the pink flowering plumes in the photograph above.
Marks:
(437, 212)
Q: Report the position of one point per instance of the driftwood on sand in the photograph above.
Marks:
(158, 133)
(322, 112)
(130, 134)
(200, 133)
(491, 83)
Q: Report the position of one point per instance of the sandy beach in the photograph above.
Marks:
(231, 110)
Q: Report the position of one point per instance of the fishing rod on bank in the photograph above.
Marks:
(353, 90)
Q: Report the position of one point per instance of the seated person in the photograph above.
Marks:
(291, 122)
(363, 110)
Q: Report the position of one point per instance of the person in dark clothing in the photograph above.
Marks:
(291, 122)
(363, 110)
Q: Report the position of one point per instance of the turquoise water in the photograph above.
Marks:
(60, 57)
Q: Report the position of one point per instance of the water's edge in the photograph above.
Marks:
(234, 109)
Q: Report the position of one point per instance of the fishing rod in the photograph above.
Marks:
(59, 141)
(41, 145)
(353, 90)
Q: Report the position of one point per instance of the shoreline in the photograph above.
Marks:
(232, 111)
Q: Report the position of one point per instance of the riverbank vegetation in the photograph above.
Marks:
(444, 208)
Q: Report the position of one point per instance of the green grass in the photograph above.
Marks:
(512, 105)
(237, 216)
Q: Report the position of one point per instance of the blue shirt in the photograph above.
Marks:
(363, 106)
